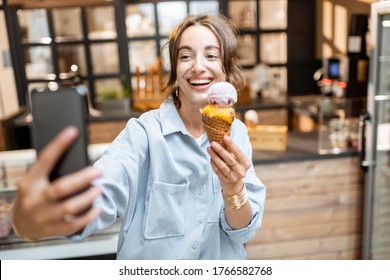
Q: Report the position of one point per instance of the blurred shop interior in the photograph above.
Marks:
(307, 64)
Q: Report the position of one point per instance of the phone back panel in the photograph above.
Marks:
(52, 111)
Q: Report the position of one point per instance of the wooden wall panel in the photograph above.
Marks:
(313, 210)
(300, 248)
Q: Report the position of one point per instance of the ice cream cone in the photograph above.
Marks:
(216, 129)
(219, 113)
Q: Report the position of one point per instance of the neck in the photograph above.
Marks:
(192, 120)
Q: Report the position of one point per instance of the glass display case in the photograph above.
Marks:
(338, 126)
(376, 235)
(13, 164)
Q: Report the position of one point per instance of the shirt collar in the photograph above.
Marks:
(171, 121)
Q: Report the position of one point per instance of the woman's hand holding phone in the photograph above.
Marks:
(45, 208)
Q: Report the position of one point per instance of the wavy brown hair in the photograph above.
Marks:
(227, 36)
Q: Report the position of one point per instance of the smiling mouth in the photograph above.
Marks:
(200, 82)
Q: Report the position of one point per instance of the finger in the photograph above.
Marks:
(217, 171)
(217, 162)
(70, 207)
(225, 175)
(237, 152)
(228, 157)
(75, 224)
(80, 203)
(49, 156)
(81, 221)
(73, 183)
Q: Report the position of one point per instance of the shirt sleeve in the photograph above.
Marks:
(121, 165)
(255, 190)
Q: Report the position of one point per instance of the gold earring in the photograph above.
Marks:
(176, 87)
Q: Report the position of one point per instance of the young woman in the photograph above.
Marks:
(161, 177)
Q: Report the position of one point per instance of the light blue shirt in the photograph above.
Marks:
(158, 180)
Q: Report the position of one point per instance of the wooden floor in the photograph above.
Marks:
(313, 211)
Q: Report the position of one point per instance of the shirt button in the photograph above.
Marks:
(194, 245)
(200, 220)
(201, 192)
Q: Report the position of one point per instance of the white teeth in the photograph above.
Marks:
(199, 82)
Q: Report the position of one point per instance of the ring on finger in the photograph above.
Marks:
(230, 171)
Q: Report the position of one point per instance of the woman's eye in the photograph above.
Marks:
(212, 56)
(185, 57)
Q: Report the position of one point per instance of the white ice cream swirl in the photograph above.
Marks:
(222, 94)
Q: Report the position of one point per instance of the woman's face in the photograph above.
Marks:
(199, 64)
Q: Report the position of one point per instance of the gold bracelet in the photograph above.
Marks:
(236, 201)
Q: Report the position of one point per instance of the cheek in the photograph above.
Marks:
(218, 68)
(181, 70)
(221, 74)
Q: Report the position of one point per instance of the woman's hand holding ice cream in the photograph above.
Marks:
(227, 159)
(231, 165)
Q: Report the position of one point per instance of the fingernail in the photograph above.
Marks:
(214, 145)
(94, 171)
(71, 131)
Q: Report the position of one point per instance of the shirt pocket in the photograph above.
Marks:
(216, 206)
(166, 210)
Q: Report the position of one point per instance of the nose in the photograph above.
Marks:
(199, 65)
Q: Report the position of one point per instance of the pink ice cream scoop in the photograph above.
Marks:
(222, 94)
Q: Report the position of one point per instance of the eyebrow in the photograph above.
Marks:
(207, 47)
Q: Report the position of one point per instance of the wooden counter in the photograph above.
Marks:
(313, 207)
(313, 211)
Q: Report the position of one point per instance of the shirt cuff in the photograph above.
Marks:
(244, 234)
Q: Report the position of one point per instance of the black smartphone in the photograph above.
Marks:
(52, 111)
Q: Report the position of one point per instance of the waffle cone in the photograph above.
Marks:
(216, 129)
